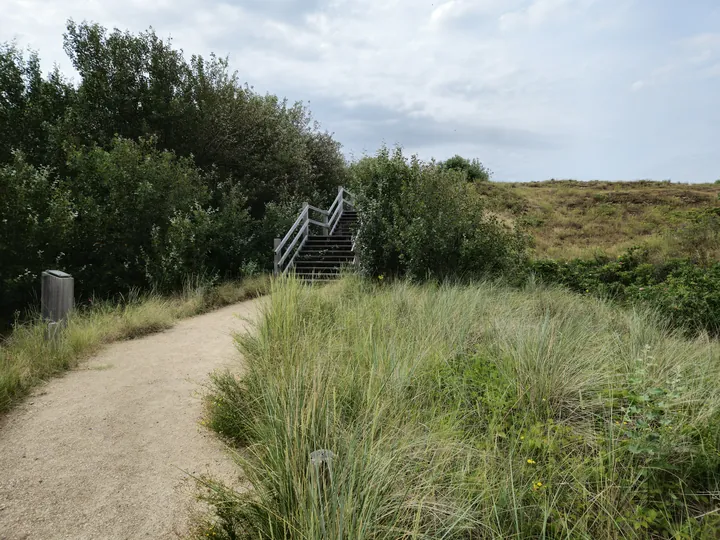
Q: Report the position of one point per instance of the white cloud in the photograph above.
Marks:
(542, 11)
(691, 58)
(504, 73)
(452, 10)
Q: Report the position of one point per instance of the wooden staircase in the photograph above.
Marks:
(322, 258)
(318, 249)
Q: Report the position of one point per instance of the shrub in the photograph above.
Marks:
(684, 292)
(36, 218)
(134, 228)
(474, 171)
(172, 166)
(422, 220)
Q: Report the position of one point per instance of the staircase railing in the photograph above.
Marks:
(286, 249)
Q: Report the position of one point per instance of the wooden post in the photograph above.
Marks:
(276, 261)
(326, 228)
(57, 298)
(306, 211)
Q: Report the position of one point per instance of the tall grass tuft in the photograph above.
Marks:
(27, 358)
(467, 412)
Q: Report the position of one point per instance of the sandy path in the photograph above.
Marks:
(100, 453)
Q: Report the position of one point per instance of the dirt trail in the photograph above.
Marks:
(100, 452)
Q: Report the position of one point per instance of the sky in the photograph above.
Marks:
(535, 89)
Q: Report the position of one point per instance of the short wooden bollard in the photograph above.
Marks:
(57, 298)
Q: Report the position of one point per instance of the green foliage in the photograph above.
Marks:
(473, 170)
(422, 220)
(30, 106)
(699, 237)
(140, 217)
(36, 219)
(172, 166)
(463, 412)
(684, 292)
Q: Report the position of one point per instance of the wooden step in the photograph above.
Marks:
(321, 252)
(328, 265)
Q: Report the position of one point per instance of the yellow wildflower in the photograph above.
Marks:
(531, 461)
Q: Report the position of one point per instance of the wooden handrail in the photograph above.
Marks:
(331, 218)
(319, 210)
(289, 233)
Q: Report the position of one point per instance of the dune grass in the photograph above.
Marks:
(467, 412)
(27, 357)
(570, 219)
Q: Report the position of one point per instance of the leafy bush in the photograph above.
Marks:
(687, 293)
(474, 171)
(132, 202)
(36, 219)
(421, 220)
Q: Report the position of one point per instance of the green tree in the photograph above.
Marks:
(474, 170)
(30, 106)
(138, 85)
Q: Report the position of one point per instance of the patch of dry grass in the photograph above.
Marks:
(570, 219)
(27, 358)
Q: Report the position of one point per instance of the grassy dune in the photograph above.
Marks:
(467, 412)
(571, 219)
(27, 358)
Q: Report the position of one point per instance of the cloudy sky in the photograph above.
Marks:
(537, 89)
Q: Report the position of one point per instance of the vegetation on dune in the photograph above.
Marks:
(27, 357)
(473, 169)
(475, 411)
(684, 289)
(686, 294)
(423, 220)
(570, 219)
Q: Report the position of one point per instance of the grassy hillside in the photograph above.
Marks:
(463, 412)
(577, 219)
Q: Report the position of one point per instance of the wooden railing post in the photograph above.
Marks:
(326, 228)
(276, 262)
(306, 211)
